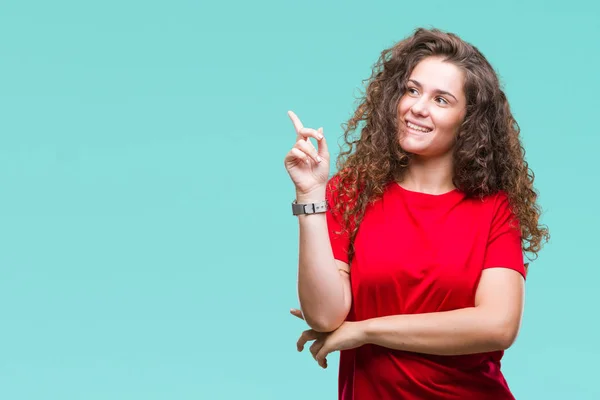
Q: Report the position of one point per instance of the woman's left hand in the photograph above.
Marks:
(347, 336)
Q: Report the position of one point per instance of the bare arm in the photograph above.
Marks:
(324, 291)
(323, 282)
(492, 324)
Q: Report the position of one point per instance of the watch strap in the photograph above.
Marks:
(309, 208)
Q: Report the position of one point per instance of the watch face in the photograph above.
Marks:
(297, 208)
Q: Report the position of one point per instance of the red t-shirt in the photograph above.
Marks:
(422, 253)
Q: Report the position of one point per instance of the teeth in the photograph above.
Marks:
(417, 127)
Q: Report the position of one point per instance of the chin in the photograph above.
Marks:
(415, 147)
(425, 145)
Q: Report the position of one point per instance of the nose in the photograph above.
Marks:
(420, 108)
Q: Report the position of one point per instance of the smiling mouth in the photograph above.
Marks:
(417, 128)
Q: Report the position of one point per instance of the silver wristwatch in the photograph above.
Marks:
(309, 208)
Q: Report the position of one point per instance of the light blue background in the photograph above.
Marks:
(147, 246)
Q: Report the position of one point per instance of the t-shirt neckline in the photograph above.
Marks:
(423, 193)
(427, 196)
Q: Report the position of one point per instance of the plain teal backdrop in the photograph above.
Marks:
(147, 246)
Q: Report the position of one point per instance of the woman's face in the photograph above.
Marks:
(432, 109)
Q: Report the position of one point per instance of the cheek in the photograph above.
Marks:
(448, 121)
(404, 105)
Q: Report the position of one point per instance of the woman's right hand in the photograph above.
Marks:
(307, 166)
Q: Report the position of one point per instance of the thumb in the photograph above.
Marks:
(297, 313)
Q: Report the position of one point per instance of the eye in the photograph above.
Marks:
(443, 101)
(412, 90)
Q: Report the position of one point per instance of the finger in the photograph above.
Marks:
(297, 313)
(309, 149)
(309, 132)
(296, 121)
(305, 337)
(315, 347)
(297, 155)
(321, 356)
(305, 144)
(323, 364)
(323, 148)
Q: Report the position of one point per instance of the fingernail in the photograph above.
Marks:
(319, 159)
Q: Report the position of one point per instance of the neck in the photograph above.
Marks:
(429, 175)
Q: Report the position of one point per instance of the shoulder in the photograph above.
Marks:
(490, 209)
(500, 211)
(332, 189)
(492, 201)
(334, 194)
(339, 187)
(499, 202)
(333, 182)
(340, 179)
(495, 197)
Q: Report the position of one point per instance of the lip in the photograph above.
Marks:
(418, 124)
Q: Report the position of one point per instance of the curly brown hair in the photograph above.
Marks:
(488, 156)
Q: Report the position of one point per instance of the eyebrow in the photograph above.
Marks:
(438, 90)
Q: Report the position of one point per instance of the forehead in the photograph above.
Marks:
(435, 74)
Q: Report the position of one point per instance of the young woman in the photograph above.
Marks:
(411, 256)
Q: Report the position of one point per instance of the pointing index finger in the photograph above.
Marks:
(296, 121)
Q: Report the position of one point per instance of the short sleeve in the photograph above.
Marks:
(339, 238)
(504, 241)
